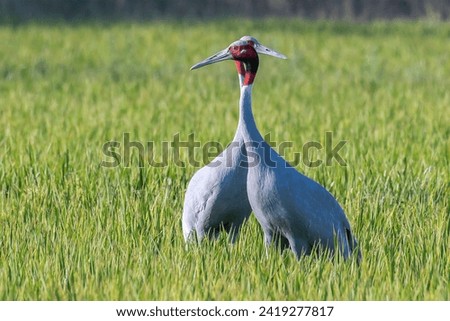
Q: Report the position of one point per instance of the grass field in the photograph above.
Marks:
(74, 230)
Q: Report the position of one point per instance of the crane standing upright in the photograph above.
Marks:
(292, 209)
(216, 197)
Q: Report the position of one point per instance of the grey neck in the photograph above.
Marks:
(247, 126)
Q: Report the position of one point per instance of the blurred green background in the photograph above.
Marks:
(361, 10)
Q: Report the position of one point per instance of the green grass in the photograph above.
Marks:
(74, 230)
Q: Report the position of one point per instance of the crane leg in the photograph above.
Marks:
(276, 238)
(233, 229)
(300, 247)
(267, 241)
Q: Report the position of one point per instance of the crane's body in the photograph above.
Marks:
(291, 208)
(216, 197)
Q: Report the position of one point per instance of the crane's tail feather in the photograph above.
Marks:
(353, 245)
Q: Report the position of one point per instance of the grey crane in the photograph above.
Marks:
(216, 196)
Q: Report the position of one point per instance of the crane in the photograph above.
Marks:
(293, 210)
(216, 197)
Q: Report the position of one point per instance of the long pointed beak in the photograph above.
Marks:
(267, 51)
(220, 56)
